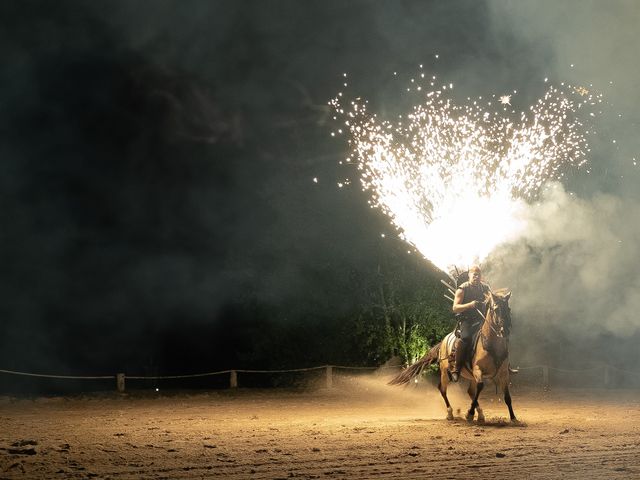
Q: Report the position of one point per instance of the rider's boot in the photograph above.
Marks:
(457, 366)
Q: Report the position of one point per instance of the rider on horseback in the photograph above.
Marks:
(468, 305)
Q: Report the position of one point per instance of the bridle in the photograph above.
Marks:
(498, 316)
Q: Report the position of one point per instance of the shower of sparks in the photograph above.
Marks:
(454, 179)
(581, 91)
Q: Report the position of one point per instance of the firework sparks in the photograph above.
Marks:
(505, 99)
(454, 179)
(582, 91)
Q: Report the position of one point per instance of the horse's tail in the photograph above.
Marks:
(416, 369)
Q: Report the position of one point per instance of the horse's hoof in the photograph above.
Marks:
(469, 418)
(481, 420)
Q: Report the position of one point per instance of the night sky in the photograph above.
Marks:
(157, 161)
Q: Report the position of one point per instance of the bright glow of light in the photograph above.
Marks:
(454, 179)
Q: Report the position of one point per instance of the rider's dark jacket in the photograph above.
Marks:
(471, 320)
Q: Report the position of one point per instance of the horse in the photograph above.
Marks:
(490, 358)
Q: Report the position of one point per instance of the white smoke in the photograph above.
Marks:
(575, 266)
(574, 271)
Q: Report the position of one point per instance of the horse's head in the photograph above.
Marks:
(498, 312)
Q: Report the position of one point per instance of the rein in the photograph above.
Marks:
(490, 323)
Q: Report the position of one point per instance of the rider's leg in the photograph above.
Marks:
(462, 344)
(461, 347)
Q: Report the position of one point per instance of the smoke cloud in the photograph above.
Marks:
(575, 263)
(573, 273)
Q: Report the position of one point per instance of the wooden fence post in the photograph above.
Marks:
(120, 384)
(329, 371)
(545, 376)
(233, 381)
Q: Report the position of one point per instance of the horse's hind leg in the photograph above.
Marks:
(507, 400)
(472, 394)
(442, 386)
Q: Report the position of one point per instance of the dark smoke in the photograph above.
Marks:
(157, 162)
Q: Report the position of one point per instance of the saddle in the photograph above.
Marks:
(470, 353)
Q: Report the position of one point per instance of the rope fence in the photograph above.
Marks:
(600, 374)
(72, 377)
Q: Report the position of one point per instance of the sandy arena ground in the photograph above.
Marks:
(359, 429)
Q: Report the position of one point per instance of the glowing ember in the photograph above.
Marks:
(454, 178)
(505, 99)
(581, 91)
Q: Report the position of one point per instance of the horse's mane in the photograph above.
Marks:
(501, 292)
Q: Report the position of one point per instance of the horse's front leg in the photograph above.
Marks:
(507, 400)
(504, 386)
(479, 385)
(472, 395)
